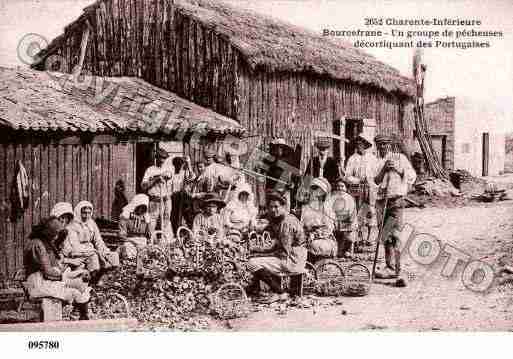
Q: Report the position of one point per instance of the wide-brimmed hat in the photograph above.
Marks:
(276, 196)
(383, 139)
(208, 153)
(279, 142)
(161, 153)
(322, 183)
(323, 143)
(61, 208)
(212, 198)
(361, 138)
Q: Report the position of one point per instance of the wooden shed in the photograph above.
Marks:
(76, 145)
(274, 78)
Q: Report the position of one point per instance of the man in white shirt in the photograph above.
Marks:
(394, 176)
(157, 184)
(360, 170)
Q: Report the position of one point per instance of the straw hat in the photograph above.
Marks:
(276, 196)
(322, 183)
(323, 143)
(161, 153)
(383, 139)
(361, 138)
(213, 198)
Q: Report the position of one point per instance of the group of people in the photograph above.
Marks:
(367, 193)
(66, 255)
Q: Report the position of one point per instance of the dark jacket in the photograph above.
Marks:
(330, 169)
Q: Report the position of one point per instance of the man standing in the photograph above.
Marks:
(289, 252)
(280, 169)
(394, 175)
(360, 172)
(158, 185)
(323, 165)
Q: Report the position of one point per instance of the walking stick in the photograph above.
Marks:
(378, 240)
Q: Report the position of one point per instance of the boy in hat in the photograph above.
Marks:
(360, 170)
(394, 175)
(210, 221)
(158, 185)
(323, 165)
(279, 169)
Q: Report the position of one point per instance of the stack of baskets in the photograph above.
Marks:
(230, 301)
(334, 280)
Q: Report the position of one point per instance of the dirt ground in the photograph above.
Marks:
(430, 301)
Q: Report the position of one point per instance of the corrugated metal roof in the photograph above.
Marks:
(42, 101)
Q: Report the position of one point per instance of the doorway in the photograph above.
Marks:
(353, 128)
(486, 152)
(144, 158)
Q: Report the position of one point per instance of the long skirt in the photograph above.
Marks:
(294, 264)
(323, 248)
(72, 290)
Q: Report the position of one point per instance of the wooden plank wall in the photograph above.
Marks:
(287, 105)
(159, 43)
(57, 173)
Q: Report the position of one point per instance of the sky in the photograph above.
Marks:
(482, 75)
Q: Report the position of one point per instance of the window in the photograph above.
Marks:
(465, 148)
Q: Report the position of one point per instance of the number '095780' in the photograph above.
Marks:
(43, 344)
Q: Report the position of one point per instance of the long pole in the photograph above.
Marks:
(378, 240)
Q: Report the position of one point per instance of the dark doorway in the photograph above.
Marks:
(144, 158)
(353, 128)
(486, 152)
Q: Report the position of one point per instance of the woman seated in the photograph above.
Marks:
(210, 222)
(134, 225)
(84, 218)
(343, 208)
(318, 222)
(77, 248)
(46, 277)
(240, 213)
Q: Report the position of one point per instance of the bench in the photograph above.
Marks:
(50, 309)
(291, 283)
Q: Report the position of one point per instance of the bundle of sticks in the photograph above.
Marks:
(432, 163)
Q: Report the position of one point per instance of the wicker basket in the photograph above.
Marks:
(357, 280)
(152, 262)
(330, 278)
(230, 301)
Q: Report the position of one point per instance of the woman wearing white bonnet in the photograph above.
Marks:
(318, 221)
(134, 225)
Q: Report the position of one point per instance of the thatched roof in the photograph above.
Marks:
(41, 101)
(274, 45)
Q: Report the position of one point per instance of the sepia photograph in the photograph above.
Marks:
(255, 166)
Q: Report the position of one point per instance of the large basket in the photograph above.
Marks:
(330, 278)
(230, 301)
(152, 262)
(357, 280)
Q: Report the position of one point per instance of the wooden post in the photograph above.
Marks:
(432, 162)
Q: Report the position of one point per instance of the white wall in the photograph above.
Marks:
(472, 119)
